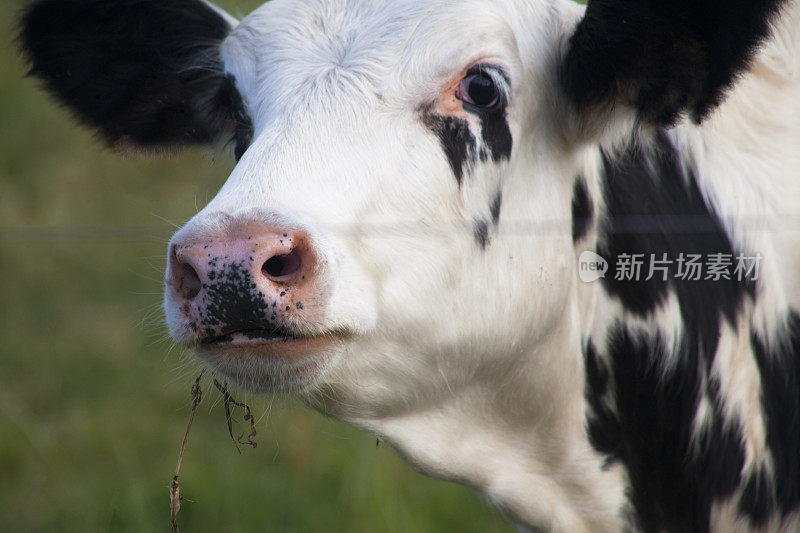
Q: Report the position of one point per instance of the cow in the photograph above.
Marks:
(545, 250)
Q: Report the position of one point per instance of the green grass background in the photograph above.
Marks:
(93, 401)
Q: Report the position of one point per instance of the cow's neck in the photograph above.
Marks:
(660, 355)
(518, 438)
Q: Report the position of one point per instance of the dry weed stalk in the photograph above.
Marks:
(248, 416)
(174, 486)
(197, 395)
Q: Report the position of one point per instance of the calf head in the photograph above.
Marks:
(399, 195)
(395, 243)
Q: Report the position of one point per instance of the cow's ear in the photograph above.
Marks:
(666, 58)
(146, 74)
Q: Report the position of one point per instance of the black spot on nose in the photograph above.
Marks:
(231, 301)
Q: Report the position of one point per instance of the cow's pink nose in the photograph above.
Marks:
(266, 262)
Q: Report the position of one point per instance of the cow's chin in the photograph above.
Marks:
(279, 364)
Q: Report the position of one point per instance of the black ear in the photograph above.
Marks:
(664, 57)
(144, 73)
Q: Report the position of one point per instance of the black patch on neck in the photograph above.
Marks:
(654, 206)
(147, 72)
(582, 210)
(675, 475)
(757, 501)
(779, 366)
(665, 57)
(456, 140)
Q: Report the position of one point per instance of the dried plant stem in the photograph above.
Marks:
(197, 395)
(248, 416)
(174, 486)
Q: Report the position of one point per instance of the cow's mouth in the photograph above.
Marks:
(269, 343)
(272, 358)
(252, 336)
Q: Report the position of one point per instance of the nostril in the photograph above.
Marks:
(282, 267)
(185, 279)
(191, 284)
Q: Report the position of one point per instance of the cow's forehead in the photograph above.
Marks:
(297, 53)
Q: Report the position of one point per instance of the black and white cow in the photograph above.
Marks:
(424, 192)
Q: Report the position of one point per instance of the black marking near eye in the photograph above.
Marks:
(582, 210)
(481, 232)
(496, 135)
(456, 139)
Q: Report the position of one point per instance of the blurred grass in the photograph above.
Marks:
(93, 403)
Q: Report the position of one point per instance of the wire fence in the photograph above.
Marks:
(86, 234)
(684, 224)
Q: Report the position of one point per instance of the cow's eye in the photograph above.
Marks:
(480, 90)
